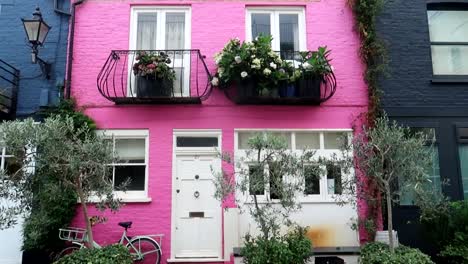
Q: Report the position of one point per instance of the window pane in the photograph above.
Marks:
(307, 140)
(448, 25)
(408, 196)
(334, 185)
(286, 136)
(276, 180)
(312, 180)
(130, 150)
(289, 32)
(146, 31)
(175, 30)
(429, 133)
(260, 25)
(256, 180)
(450, 60)
(333, 140)
(243, 139)
(463, 152)
(135, 175)
(197, 141)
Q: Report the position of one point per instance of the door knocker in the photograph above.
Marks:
(196, 194)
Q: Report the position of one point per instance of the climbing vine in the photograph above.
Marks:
(374, 56)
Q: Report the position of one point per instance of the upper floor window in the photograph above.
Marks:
(448, 28)
(285, 25)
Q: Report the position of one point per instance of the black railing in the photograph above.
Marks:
(306, 90)
(9, 83)
(118, 83)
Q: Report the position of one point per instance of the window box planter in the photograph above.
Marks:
(148, 87)
(309, 86)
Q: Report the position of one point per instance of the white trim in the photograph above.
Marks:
(177, 151)
(131, 196)
(274, 23)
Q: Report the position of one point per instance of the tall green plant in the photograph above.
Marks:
(77, 157)
(391, 156)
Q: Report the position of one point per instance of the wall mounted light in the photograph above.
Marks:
(36, 31)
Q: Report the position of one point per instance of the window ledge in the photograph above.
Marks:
(449, 79)
(123, 199)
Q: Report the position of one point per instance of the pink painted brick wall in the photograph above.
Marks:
(103, 25)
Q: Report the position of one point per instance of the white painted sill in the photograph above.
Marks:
(204, 260)
(123, 199)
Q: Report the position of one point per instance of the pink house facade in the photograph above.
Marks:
(168, 147)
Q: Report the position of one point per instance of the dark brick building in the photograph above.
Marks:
(427, 88)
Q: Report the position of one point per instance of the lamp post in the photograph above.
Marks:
(36, 31)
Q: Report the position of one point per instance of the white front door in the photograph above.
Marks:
(197, 212)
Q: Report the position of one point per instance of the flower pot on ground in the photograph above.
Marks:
(154, 76)
(309, 86)
(148, 86)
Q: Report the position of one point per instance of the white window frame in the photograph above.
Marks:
(3, 157)
(321, 152)
(130, 196)
(161, 39)
(274, 23)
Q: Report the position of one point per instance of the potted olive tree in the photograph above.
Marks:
(154, 76)
(315, 66)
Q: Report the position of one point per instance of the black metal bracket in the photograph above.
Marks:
(45, 67)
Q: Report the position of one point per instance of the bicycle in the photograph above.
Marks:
(144, 249)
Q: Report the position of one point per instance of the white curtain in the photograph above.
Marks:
(175, 30)
(147, 31)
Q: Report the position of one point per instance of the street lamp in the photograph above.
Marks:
(36, 30)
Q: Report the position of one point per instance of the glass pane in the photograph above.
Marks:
(448, 25)
(256, 180)
(429, 133)
(260, 25)
(334, 185)
(463, 152)
(312, 180)
(408, 197)
(286, 136)
(130, 150)
(450, 60)
(146, 31)
(276, 180)
(333, 140)
(289, 32)
(175, 30)
(463, 134)
(243, 139)
(133, 176)
(307, 140)
(11, 167)
(197, 142)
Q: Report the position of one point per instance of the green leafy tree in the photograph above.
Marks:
(77, 157)
(392, 157)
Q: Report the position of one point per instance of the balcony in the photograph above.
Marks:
(9, 83)
(306, 89)
(189, 83)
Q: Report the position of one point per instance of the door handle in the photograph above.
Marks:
(177, 191)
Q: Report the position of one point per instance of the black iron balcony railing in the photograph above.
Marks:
(9, 83)
(120, 83)
(309, 89)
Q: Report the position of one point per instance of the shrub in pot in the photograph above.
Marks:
(110, 254)
(379, 253)
(154, 76)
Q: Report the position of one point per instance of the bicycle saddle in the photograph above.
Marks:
(125, 224)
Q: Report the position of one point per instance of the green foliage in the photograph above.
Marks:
(317, 62)
(269, 160)
(67, 108)
(379, 253)
(372, 51)
(292, 248)
(77, 159)
(446, 224)
(106, 255)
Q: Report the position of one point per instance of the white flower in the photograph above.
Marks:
(306, 65)
(244, 74)
(272, 65)
(256, 66)
(256, 61)
(266, 71)
(214, 81)
(332, 69)
(220, 70)
(238, 59)
(279, 60)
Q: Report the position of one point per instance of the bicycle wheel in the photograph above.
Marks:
(144, 251)
(66, 251)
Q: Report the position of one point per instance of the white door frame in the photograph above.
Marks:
(192, 151)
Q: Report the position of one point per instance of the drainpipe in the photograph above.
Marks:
(70, 48)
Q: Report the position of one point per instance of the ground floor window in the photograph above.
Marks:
(130, 169)
(463, 155)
